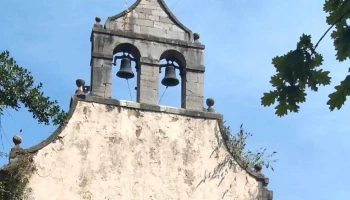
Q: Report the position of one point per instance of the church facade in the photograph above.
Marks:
(112, 149)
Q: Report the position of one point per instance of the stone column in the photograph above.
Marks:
(101, 75)
(192, 90)
(101, 63)
(147, 81)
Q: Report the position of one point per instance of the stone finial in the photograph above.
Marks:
(258, 168)
(196, 37)
(80, 84)
(210, 102)
(97, 24)
(17, 140)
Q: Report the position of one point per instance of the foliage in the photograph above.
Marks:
(237, 146)
(17, 86)
(16, 176)
(299, 68)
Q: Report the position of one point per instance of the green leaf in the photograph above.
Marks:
(293, 107)
(269, 98)
(281, 109)
(338, 98)
(277, 62)
(317, 60)
(322, 77)
(331, 5)
(17, 88)
(305, 41)
(296, 57)
(341, 38)
(276, 81)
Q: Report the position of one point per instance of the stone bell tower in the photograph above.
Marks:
(148, 32)
(121, 150)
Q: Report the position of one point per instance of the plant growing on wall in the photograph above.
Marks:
(17, 89)
(15, 176)
(237, 146)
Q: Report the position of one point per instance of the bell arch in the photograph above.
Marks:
(126, 62)
(128, 48)
(172, 67)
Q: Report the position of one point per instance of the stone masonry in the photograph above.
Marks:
(151, 33)
(149, 17)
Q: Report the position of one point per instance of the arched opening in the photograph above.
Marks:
(126, 61)
(172, 70)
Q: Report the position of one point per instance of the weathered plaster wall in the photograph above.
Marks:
(113, 153)
(150, 18)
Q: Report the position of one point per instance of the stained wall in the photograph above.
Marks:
(113, 152)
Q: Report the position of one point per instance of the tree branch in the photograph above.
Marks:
(339, 20)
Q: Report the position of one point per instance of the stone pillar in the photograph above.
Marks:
(193, 90)
(101, 63)
(101, 75)
(147, 81)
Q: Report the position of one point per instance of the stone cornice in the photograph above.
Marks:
(140, 36)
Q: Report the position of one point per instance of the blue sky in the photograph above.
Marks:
(51, 38)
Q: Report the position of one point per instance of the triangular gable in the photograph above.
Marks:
(152, 17)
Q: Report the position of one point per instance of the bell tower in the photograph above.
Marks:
(146, 33)
(114, 149)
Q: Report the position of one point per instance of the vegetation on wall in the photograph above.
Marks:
(17, 89)
(299, 69)
(237, 144)
(15, 176)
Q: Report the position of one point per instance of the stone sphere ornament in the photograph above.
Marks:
(196, 36)
(80, 82)
(17, 139)
(97, 19)
(210, 103)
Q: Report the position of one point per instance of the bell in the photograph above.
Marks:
(170, 79)
(125, 70)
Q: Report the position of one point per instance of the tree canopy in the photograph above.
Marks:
(299, 69)
(17, 88)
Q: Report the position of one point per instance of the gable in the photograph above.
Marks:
(110, 152)
(151, 17)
